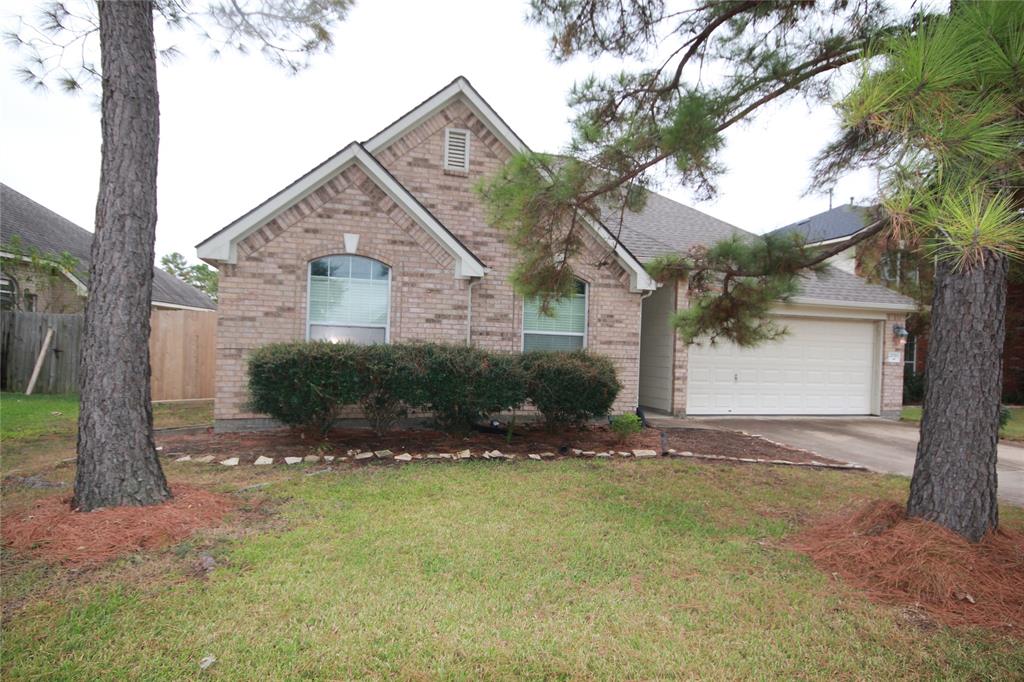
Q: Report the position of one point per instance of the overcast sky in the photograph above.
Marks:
(236, 129)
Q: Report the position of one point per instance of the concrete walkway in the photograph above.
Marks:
(879, 444)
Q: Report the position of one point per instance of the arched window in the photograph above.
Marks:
(565, 329)
(349, 299)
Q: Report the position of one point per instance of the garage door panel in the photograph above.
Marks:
(821, 367)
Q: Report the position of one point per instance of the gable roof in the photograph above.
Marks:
(38, 227)
(665, 226)
(836, 223)
(222, 245)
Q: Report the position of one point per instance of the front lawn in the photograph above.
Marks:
(1014, 429)
(568, 569)
(26, 417)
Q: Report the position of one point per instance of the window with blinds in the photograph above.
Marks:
(349, 299)
(565, 329)
(456, 150)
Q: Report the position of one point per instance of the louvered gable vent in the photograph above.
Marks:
(456, 150)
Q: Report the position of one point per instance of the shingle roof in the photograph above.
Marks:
(39, 227)
(666, 226)
(836, 223)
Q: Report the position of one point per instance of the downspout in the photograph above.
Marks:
(643, 297)
(469, 312)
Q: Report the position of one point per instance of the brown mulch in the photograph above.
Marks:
(735, 444)
(916, 563)
(50, 530)
(284, 442)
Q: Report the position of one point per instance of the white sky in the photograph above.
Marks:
(236, 130)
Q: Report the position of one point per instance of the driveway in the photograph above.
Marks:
(879, 444)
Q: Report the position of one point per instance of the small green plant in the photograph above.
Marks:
(1004, 416)
(625, 425)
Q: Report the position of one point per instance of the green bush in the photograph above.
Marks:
(625, 425)
(462, 384)
(304, 384)
(570, 388)
(913, 388)
(390, 382)
(307, 384)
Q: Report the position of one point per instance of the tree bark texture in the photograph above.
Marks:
(117, 460)
(954, 482)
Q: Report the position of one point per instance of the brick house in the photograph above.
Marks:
(890, 263)
(387, 241)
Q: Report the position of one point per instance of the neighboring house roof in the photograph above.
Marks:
(835, 223)
(38, 227)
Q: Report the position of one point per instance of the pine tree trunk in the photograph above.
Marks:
(117, 460)
(954, 481)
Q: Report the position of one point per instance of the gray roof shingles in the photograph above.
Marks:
(39, 227)
(666, 226)
(835, 223)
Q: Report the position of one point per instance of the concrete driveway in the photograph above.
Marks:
(879, 444)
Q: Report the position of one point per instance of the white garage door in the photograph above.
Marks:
(821, 367)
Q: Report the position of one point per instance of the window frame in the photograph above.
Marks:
(309, 284)
(444, 160)
(911, 361)
(15, 289)
(586, 321)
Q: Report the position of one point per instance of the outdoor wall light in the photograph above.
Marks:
(900, 334)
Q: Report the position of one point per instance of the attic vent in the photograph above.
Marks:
(456, 150)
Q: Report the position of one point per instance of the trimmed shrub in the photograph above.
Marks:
(913, 388)
(389, 377)
(462, 385)
(304, 384)
(570, 388)
(625, 425)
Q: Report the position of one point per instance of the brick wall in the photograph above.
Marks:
(892, 372)
(263, 296)
(55, 293)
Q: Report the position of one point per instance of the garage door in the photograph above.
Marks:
(821, 367)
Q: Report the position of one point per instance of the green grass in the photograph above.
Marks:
(1014, 429)
(24, 418)
(569, 569)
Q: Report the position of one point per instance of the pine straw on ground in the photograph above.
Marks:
(50, 530)
(904, 561)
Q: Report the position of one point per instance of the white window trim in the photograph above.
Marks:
(912, 359)
(447, 137)
(309, 283)
(586, 321)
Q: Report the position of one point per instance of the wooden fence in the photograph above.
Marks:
(182, 347)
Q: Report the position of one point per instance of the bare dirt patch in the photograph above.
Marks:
(50, 530)
(737, 445)
(920, 565)
(284, 442)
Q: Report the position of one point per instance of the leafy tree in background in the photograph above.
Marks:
(117, 461)
(937, 108)
(199, 275)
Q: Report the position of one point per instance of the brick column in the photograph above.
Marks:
(892, 372)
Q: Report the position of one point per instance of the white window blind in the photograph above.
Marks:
(456, 150)
(349, 299)
(564, 330)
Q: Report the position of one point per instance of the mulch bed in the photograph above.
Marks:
(737, 445)
(285, 443)
(50, 530)
(919, 564)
